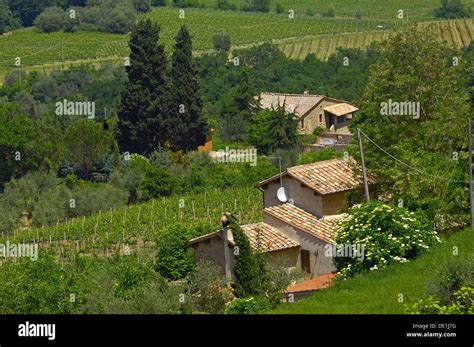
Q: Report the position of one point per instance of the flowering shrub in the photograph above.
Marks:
(463, 303)
(387, 233)
(250, 305)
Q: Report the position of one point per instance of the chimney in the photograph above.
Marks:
(306, 92)
(225, 224)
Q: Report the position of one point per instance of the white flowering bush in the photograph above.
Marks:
(387, 233)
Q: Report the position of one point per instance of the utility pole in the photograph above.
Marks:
(469, 136)
(364, 173)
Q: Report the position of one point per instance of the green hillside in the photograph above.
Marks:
(378, 292)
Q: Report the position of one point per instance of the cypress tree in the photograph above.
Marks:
(250, 268)
(188, 125)
(145, 99)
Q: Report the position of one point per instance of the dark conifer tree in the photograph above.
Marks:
(145, 99)
(187, 125)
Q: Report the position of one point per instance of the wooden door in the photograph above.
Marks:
(305, 261)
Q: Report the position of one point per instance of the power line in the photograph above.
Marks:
(410, 166)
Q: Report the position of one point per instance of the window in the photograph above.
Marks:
(305, 261)
(320, 118)
(341, 119)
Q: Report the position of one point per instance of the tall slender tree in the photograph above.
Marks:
(188, 124)
(145, 99)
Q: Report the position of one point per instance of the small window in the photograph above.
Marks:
(341, 119)
(320, 118)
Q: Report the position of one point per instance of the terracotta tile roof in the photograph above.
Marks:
(299, 104)
(316, 283)
(325, 177)
(322, 229)
(266, 238)
(262, 237)
(341, 109)
(328, 176)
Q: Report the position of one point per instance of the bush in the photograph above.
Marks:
(389, 234)
(312, 157)
(221, 42)
(451, 9)
(158, 3)
(279, 8)
(330, 12)
(251, 305)
(462, 303)
(256, 5)
(119, 21)
(225, 5)
(210, 291)
(51, 19)
(142, 6)
(310, 12)
(175, 259)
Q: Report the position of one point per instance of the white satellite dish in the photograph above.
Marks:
(281, 194)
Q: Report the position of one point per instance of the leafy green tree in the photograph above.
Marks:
(7, 21)
(23, 146)
(41, 195)
(145, 98)
(282, 133)
(451, 9)
(256, 5)
(175, 259)
(221, 42)
(28, 10)
(86, 143)
(237, 109)
(51, 19)
(433, 140)
(187, 124)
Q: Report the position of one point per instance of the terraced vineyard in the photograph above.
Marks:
(138, 225)
(457, 33)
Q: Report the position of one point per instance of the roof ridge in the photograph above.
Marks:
(291, 94)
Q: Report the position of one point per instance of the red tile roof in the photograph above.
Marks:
(262, 237)
(341, 109)
(266, 238)
(322, 229)
(316, 283)
(325, 177)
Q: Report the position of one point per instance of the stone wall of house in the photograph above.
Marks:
(288, 257)
(212, 250)
(333, 203)
(319, 263)
(303, 197)
(315, 118)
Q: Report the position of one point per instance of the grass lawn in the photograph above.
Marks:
(378, 292)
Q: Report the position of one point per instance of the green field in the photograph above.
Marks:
(140, 224)
(296, 37)
(36, 48)
(378, 292)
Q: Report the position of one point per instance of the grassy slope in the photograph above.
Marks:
(377, 293)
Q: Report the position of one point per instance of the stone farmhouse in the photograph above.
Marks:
(313, 111)
(296, 231)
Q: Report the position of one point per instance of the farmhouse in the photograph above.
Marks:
(313, 111)
(296, 230)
